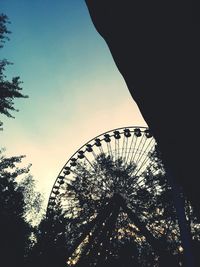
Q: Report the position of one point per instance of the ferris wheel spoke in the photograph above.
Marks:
(115, 150)
(101, 150)
(130, 149)
(126, 152)
(137, 169)
(123, 145)
(119, 162)
(144, 184)
(144, 151)
(72, 171)
(94, 154)
(118, 153)
(143, 163)
(140, 148)
(89, 162)
(134, 150)
(109, 150)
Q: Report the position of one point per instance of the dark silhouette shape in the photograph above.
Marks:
(155, 46)
(50, 249)
(15, 204)
(107, 209)
(9, 90)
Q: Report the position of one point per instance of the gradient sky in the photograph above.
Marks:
(75, 90)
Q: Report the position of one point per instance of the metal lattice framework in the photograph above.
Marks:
(132, 144)
(114, 190)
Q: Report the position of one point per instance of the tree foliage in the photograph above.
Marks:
(50, 247)
(3, 29)
(144, 196)
(9, 89)
(17, 209)
(20, 204)
(138, 228)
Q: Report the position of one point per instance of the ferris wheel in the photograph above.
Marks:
(116, 202)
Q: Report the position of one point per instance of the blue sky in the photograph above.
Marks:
(75, 90)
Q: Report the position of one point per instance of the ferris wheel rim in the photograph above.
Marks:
(141, 128)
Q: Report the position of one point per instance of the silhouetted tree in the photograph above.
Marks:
(3, 29)
(9, 90)
(50, 247)
(151, 232)
(18, 205)
(90, 226)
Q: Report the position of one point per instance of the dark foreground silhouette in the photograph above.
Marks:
(155, 46)
(112, 219)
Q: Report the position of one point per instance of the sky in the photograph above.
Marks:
(75, 89)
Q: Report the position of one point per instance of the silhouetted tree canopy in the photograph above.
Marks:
(93, 227)
(20, 203)
(9, 89)
(19, 208)
(50, 247)
(148, 197)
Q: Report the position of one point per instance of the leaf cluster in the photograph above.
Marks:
(9, 89)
